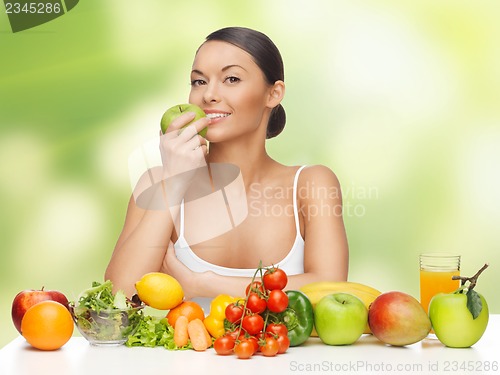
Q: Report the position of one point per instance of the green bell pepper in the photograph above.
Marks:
(298, 317)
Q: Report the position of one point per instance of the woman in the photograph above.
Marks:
(294, 217)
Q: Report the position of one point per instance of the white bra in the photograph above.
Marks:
(292, 264)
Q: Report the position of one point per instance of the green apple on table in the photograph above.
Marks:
(340, 318)
(177, 110)
(460, 318)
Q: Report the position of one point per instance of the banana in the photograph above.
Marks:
(317, 290)
(338, 286)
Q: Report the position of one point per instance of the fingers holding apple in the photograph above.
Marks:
(182, 115)
(182, 144)
(174, 124)
(186, 127)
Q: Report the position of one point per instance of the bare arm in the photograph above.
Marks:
(148, 227)
(141, 246)
(326, 248)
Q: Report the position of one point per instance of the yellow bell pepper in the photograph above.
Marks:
(214, 322)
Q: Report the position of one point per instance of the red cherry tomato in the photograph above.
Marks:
(224, 345)
(255, 303)
(253, 324)
(255, 287)
(277, 301)
(244, 349)
(234, 334)
(252, 339)
(283, 343)
(234, 312)
(270, 348)
(277, 329)
(274, 278)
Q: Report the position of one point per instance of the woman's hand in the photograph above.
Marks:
(183, 150)
(175, 268)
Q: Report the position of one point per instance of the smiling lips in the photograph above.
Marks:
(217, 115)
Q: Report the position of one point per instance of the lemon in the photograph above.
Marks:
(159, 290)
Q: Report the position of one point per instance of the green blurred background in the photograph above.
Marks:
(399, 98)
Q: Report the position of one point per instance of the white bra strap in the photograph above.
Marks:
(295, 208)
(181, 219)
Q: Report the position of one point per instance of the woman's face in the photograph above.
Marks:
(229, 86)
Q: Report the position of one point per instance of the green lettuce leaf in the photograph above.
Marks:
(154, 331)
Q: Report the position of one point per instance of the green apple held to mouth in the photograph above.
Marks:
(172, 113)
(340, 318)
(459, 319)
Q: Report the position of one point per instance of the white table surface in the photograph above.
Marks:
(366, 356)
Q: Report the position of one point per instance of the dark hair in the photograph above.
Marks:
(267, 57)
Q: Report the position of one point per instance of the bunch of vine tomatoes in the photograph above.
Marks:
(252, 324)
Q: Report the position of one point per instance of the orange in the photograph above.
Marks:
(189, 309)
(47, 325)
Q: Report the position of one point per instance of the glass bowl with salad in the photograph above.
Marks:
(104, 318)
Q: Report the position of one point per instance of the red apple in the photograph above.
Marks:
(398, 319)
(27, 298)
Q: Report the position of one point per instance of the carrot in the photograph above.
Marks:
(198, 334)
(207, 335)
(181, 331)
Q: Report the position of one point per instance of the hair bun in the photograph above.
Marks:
(276, 122)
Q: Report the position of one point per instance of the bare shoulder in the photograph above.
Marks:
(147, 179)
(318, 184)
(318, 176)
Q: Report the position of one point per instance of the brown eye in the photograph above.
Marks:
(197, 82)
(232, 79)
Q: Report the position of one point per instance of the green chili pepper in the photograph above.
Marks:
(298, 317)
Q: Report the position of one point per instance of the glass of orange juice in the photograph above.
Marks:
(436, 272)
